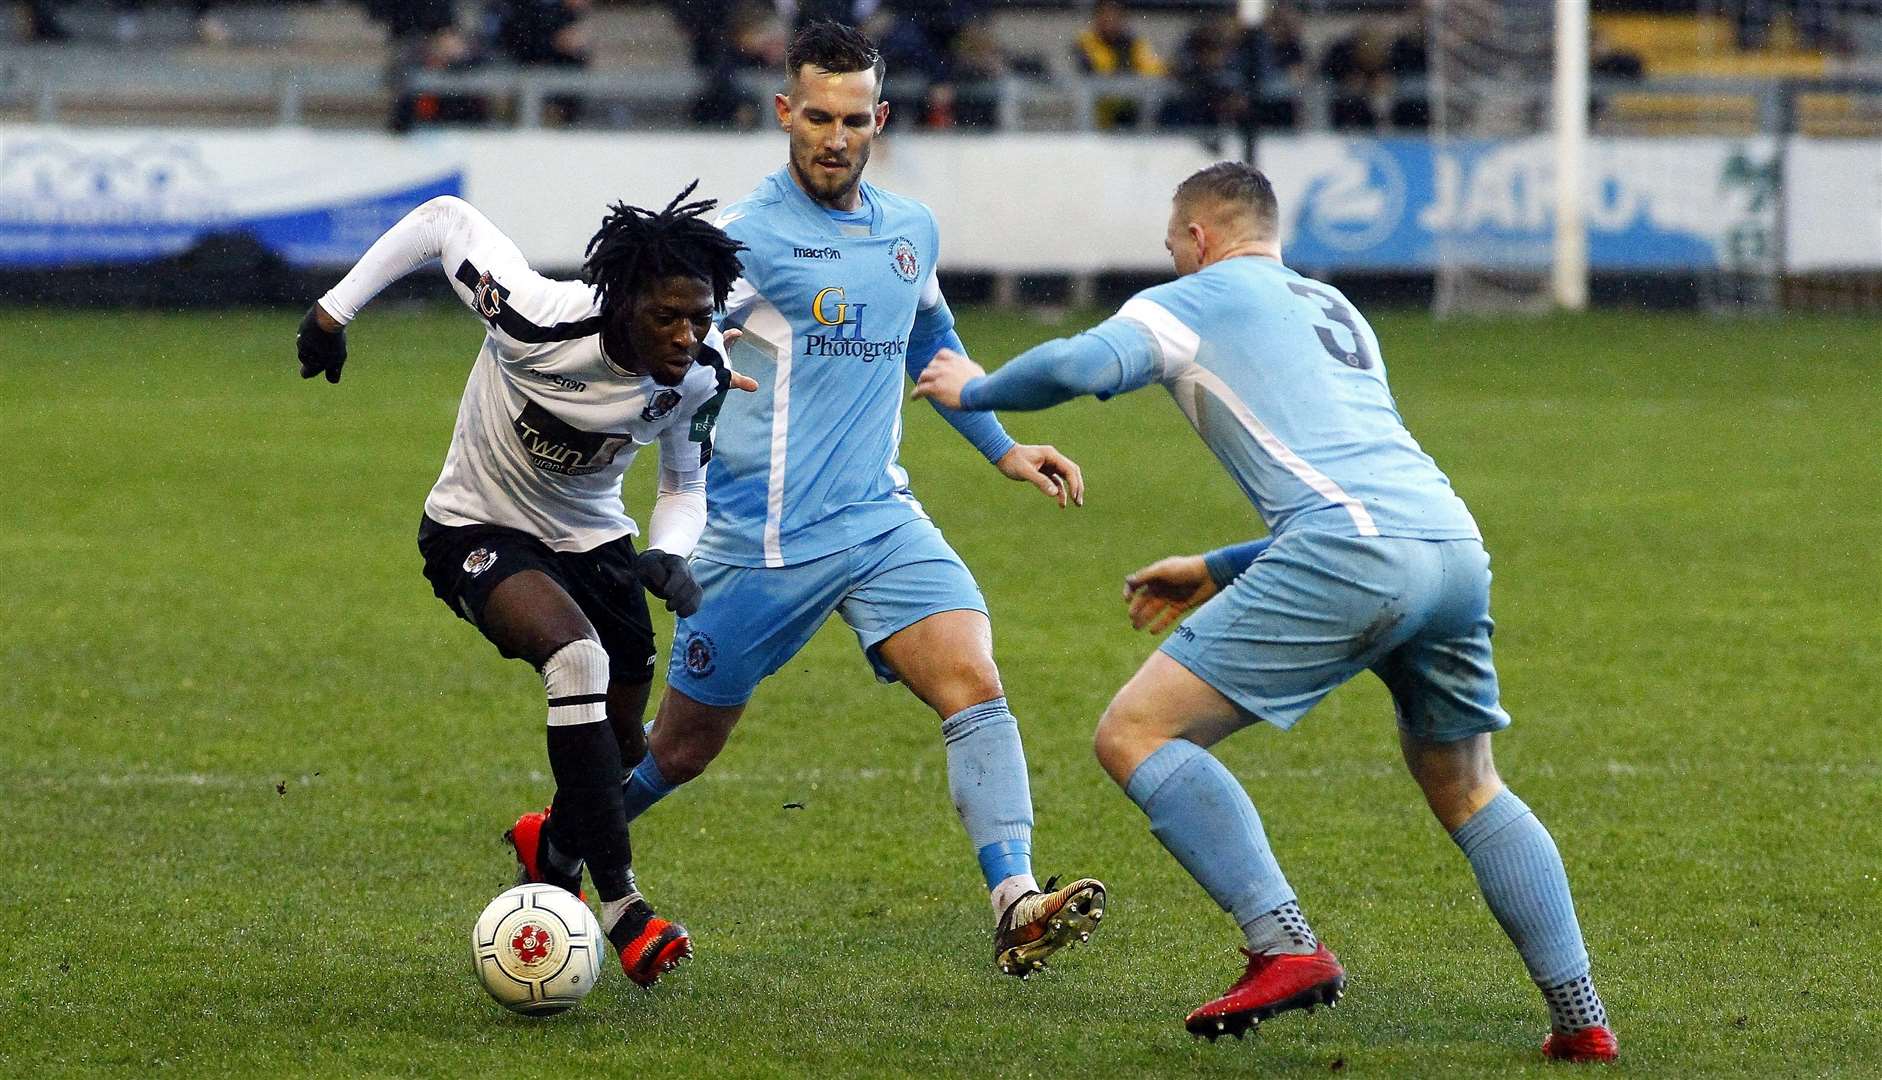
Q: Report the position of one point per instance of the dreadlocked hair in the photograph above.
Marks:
(636, 247)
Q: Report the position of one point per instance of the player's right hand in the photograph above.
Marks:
(668, 577)
(1162, 592)
(322, 351)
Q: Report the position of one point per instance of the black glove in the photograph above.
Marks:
(668, 577)
(320, 351)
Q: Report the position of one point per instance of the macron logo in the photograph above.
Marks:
(825, 253)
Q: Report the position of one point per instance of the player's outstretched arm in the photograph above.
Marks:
(446, 228)
(1111, 359)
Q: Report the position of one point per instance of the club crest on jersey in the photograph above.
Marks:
(907, 262)
(661, 405)
(478, 561)
(700, 653)
(489, 296)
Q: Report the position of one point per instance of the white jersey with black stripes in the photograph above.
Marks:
(549, 423)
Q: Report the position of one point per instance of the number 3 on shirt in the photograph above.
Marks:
(1334, 309)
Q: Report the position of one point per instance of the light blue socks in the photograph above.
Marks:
(1521, 875)
(987, 780)
(645, 786)
(1205, 819)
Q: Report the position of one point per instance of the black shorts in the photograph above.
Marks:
(465, 563)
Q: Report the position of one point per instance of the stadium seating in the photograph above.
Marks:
(327, 64)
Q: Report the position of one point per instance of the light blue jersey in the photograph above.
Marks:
(833, 313)
(1284, 381)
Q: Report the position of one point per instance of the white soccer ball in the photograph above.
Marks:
(537, 949)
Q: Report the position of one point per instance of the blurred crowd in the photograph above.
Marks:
(946, 61)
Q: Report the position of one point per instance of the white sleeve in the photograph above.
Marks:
(930, 291)
(486, 270)
(679, 510)
(417, 239)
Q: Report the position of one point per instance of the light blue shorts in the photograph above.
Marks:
(1316, 609)
(755, 618)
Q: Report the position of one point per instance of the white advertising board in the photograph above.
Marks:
(1020, 203)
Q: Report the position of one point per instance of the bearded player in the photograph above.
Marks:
(525, 535)
(809, 511)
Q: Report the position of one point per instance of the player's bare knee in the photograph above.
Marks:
(1125, 728)
(976, 679)
(1457, 778)
(686, 760)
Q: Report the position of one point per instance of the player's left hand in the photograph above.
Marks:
(668, 577)
(942, 379)
(1046, 469)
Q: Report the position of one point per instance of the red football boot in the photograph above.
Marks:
(1273, 984)
(658, 948)
(525, 838)
(1589, 1044)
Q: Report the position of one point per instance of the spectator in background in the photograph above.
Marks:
(853, 12)
(1211, 88)
(1354, 65)
(978, 64)
(917, 39)
(707, 25)
(1813, 20)
(547, 33)
(42, 23)
(1108, 46)
(424, 37)
(1273, 53)
(1609, 62)
(1408, 65)
(754, 40)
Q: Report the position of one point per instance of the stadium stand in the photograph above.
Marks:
(1660, 68)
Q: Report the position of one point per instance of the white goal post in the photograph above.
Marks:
(1569, 277)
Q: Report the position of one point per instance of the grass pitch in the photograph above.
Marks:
(254, 774)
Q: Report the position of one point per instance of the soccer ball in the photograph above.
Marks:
(537, 949)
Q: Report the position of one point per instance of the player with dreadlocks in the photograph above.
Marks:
(525, 535)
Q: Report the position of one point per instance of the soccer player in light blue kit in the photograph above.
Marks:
(1372, 563)
(809, 512)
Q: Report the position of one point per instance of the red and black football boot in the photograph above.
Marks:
(525, 838)
(1039, 924)
(1589, 1044)
(652, 947)
(1273, 984)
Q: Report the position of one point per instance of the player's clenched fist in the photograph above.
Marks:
(667, 576)
(1160, 593)
(322, 351)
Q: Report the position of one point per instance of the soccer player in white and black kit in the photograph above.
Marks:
(525, 535)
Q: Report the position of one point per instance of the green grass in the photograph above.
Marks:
(254, 774)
